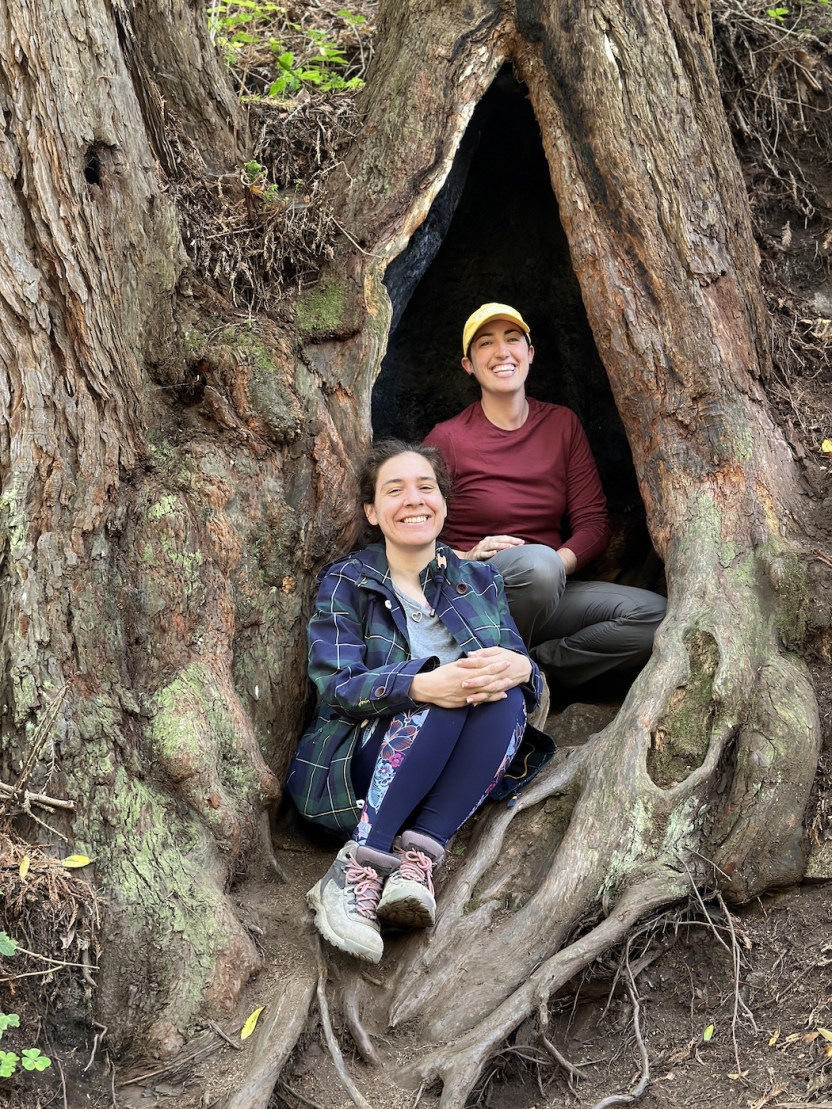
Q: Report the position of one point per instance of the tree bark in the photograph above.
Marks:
(176, 473)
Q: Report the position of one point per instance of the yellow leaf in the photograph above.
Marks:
(73, 861)
(706, 1035)
(774, 1038)
(826, 446)
(251, 1023)
(25, 863)
(737, 1075)
(827, 1051)
(827, 1035)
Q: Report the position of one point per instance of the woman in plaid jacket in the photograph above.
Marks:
(424, 686)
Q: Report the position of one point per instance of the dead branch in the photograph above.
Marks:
(27, 798)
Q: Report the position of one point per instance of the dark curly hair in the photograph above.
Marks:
(382, 452)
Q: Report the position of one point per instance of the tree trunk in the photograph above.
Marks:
(176, 474)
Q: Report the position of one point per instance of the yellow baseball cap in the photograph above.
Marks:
(485, 314)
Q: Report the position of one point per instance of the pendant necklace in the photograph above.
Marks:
(409, 603)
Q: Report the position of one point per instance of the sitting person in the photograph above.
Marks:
(520, 468)
(424, 686)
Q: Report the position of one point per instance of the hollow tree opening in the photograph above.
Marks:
(494, 234)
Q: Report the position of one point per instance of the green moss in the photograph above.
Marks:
(194, 341)
(681, 738)
(322, 308)
(192, 726)
(269, 393)
(620, 864)
(165, 868)
(165, 506)
(258, 353)
(789, 581)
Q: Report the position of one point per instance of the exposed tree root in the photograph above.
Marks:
(459, 1063)
(572, 1071)
(350, 1003)
(626, 1099)
(287, 1018)
(355, 1094)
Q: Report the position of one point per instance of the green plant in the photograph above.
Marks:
(777, 14)
(234, 23)
(30, 1058)
(243, 28)
(321, 68)
(256, 177)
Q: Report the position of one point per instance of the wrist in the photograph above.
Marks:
(568, 558)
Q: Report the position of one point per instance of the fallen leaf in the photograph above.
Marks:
(826, 446)
(735, 1077)
(708, 1033)
(774, 1038)
(74, 861)
(827, 1035)
(251, 1023)
(25, 863)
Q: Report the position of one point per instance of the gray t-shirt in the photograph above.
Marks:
(426, 633)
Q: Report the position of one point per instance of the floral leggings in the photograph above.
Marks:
(429, 769)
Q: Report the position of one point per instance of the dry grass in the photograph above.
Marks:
(263, 231)
(776, 79)
(51, 911)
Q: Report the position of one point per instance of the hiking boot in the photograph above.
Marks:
(408, 900)
(346, 898)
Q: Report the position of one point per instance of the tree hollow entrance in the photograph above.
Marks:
(494, 234)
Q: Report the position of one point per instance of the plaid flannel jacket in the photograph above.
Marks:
(359, 660)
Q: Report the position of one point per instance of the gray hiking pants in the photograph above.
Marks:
(577, 630)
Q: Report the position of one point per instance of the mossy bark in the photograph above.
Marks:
(157, 540)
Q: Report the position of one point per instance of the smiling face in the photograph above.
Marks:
(499, 357)
(408, 507)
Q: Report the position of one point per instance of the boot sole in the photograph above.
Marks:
(351, 947)
(408, 912)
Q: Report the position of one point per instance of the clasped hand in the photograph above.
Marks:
(484, 675)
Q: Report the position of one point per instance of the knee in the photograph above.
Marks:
(538, 571)
(652, 608)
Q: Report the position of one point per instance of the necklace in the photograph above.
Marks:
(410, 604)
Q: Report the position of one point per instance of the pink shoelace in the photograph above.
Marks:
(366, 884)
(416, 866)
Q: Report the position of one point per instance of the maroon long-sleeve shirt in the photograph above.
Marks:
(538, 482)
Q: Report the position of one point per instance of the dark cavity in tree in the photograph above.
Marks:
(92, 166)
(494, 234)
